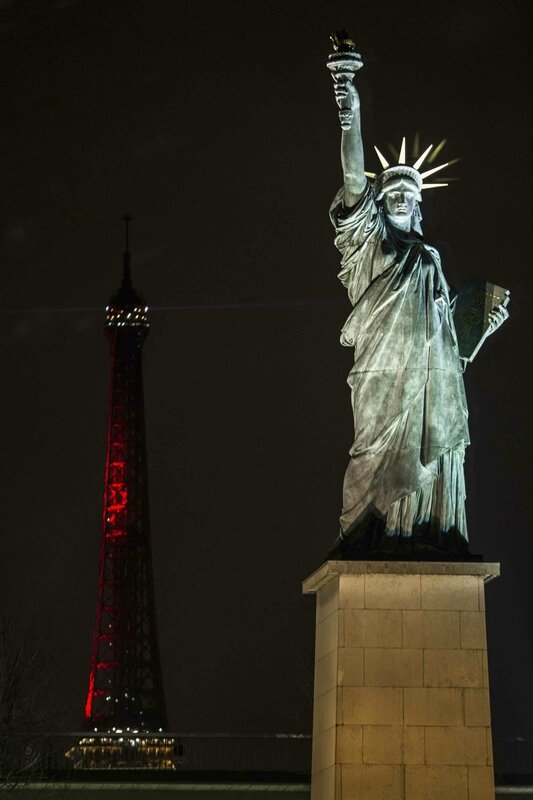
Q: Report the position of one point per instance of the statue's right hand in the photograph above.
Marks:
(346, 97)
(345, 91)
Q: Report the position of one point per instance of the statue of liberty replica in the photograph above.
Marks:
(404, 488)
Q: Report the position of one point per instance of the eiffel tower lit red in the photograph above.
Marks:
(125, 694)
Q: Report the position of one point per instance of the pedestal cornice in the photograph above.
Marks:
(332, 569)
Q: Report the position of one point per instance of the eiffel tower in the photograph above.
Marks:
(125, 696)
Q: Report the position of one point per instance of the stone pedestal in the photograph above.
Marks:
(401, 700)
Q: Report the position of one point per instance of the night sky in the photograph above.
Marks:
(214, 126)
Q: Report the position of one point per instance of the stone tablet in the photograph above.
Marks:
(472, 323)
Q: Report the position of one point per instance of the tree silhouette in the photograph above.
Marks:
(25, 707)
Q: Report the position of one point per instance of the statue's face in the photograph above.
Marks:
(399, 206)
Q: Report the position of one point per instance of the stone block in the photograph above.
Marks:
(456, 746)
(484, 670)
(482, 595)
(414, 751)
(426, 706)
(372, 628)
(393, 667)
(372, 782)
(327, 636)
(490, 756)
(436, 783)
(352, 591)
(350, 744)
(453, 668)
(340, 705)
(431, 629)
(480, 783)
(368, 705)
(324, 749)
(450, 592)
(350, 666)
(473, 630)
(325, 712)
(383, 744)
(477, 707)
(326, 673)
(327, 600)
(323, 785)
(392, 591)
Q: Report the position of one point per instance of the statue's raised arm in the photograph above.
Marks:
(343, 63)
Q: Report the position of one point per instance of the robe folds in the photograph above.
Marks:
(407, 391)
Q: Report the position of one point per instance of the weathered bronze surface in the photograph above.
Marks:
(404, 490)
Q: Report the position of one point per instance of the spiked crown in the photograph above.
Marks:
(394, 176)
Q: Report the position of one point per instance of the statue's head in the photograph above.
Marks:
(399, 189)
(401, 176)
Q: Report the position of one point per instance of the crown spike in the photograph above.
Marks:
(433, 185)
(418, 163)
(371, 175)
(435, 169)
(401, 159)
(393, 151)
(436, 151)
(383, 160)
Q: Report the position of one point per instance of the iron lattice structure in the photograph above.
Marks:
(125, 686)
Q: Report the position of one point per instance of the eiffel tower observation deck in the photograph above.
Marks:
(125, 697)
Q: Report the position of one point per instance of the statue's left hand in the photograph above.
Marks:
(497, 317)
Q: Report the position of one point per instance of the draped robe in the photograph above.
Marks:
(410, 415)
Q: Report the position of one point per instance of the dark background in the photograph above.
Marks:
(214, 125)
